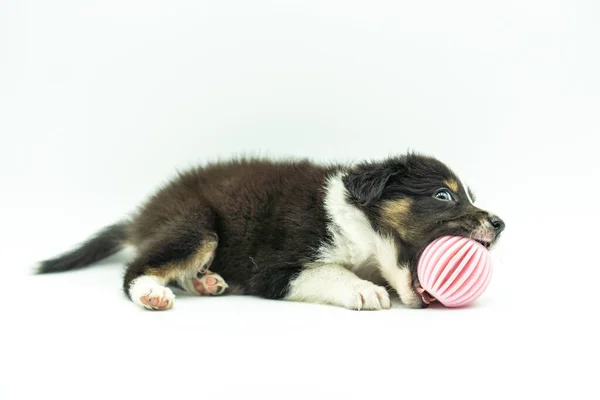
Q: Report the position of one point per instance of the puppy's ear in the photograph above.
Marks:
(366, 182)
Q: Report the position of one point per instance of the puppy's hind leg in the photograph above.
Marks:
(167, 262)
(197, 278)
(208, 284)
(180, 252)
(333, 284)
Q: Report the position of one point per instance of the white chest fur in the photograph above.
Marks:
(355, 243)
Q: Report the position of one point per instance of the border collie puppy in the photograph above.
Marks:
(291, 230)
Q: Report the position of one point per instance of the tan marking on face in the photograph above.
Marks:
(452, 184)
(396, 214)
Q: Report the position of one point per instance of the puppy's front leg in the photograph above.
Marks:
(336, 285)
(400, 278)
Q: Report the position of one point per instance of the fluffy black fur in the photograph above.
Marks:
(105, 243)
(269, 218)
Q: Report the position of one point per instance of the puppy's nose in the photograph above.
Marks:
(497, 223)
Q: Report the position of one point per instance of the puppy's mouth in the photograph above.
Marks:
(485, 243)
(425, 296)
(484, 237)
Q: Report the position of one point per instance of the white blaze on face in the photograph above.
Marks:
(469, 195)
(466, 189)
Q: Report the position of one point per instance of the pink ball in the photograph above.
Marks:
(455, 270)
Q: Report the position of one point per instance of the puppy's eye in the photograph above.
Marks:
(444, 195)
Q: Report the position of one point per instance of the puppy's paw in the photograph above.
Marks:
(412, 300)
(409, 296)
(209, 283)
(146, 292)
(368, 296)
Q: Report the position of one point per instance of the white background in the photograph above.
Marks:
(101, 101)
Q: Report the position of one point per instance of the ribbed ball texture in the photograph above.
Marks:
(455, 270)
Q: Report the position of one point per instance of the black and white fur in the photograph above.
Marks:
(291, 230)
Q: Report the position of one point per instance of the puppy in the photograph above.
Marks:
(291, 230)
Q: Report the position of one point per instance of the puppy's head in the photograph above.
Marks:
(418, 199)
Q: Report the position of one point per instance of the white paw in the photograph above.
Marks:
(368, 296)
(412, 300)
(407, 292)
(146, 292)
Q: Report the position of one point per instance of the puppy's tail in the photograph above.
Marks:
(105, 243)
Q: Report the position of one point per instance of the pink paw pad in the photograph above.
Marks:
(157, 301)
(209, 284)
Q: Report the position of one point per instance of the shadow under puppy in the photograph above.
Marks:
(291, 230)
